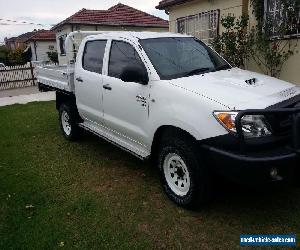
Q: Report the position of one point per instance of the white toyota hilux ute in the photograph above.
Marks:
(171, 97)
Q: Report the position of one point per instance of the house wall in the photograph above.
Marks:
(290, 71)
(233, 7)
(39, 50)
(66, 29)
(11, 46)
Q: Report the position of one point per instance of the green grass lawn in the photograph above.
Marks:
(55, 194)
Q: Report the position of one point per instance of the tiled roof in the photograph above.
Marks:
(119, 14)
(11, 39)
(167, 3)
(45, 35)
(35, 35)
(24, 37)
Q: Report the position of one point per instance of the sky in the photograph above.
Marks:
(50, 12)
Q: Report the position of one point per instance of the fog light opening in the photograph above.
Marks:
(274, 174)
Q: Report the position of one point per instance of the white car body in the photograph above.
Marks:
(197, 121)
(186, 103)
(194, 119)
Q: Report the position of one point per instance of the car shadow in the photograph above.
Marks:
(227, 197)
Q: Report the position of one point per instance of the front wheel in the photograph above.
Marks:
(68, 122)
(184, 177)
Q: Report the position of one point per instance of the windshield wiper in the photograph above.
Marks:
(197, 71)
(223, 67)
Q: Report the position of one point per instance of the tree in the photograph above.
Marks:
(17, 57)
(273, 47)
(4, 54)
(234, 43)
(267, 46)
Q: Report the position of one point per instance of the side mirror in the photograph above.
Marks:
(135, 73)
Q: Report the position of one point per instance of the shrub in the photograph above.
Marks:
(234, 43)
(53, 56)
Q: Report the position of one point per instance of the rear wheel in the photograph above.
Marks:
(184, 177)
(42, 88)
(68, 122)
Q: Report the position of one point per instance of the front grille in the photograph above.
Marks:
(284, 121)
(282, 124)
(297, 133)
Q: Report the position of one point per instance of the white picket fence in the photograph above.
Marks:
(17, 76)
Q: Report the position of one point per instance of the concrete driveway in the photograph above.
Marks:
(24, 95)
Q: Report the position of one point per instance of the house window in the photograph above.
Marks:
(51, 47)
(204, 26)
(277, 17)
(61, 41)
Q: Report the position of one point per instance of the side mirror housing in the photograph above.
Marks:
(135, 73)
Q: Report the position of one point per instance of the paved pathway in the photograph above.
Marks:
(19, 91)
(24, 95)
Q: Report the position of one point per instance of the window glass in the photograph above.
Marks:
(175, 57)
(93, 56)
(282, 18)
(122, 55)
(204, 25)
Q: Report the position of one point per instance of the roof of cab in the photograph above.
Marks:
(138, 35)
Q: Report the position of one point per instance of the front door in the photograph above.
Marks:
(88, 81)
(125, 103)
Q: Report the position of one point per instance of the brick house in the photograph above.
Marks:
(40, 43)
(117, 18)
(14, 43)
(202, 19)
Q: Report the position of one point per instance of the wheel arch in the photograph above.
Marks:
(62, 97)
(158, 135)
(68, 99)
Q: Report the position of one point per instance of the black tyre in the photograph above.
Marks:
(42, 88)
(184, 178)
(68, 122)
(296, 179)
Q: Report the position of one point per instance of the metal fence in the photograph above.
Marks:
(17, 76)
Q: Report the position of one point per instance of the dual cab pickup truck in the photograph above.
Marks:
(171, 97)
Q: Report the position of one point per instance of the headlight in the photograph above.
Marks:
(253, 125)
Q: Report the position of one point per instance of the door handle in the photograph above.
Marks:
(79, 79)
(107, 87)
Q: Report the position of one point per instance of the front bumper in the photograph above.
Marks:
(255, 167)
(260, 160)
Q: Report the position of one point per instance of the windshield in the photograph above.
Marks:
(175, 57)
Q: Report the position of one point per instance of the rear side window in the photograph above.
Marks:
(93, 56)
(122, 55)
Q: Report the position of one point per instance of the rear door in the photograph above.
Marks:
(89, 80)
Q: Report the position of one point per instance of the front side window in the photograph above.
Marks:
(93, 56)
(175, 57)
(282, 18)
(122, 55)
(204, 26)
